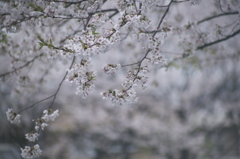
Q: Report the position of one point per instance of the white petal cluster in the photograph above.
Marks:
(81, 11)
(111, 68)
(157, 58)
(83, 78)
(40, 124)
(31, 152)
(120, 97)
(99, 19)
(13, 117)
(43, 125)
(89, 43)
(136, 76)
(32, 136)
(133, 21)
(49, 115)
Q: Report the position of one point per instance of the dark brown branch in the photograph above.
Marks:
(139, 68)
(220, 6)
(54, 95)
(130, 64)
(218, 41)
(60, 84)
(181, 1)
(107, 10)
(35, 104)
(67, 2)
(216, 16)
(152, 31)
(165, 13)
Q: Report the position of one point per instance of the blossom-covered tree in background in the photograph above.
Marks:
(108, 48)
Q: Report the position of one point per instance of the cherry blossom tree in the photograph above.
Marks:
(90, 42)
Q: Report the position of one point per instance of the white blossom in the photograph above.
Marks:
(157, 58)
(49, 115)
(31, 152)
(111, 68)
(120, 97)
(82, 77)
(136, 76)
(32, 136)
(43, 125)
(13, 117)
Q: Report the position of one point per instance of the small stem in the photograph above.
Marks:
(130, 64)
(165, 13)
(60, 84)
(218, 41)
(216, 16)
(54, 95)
(21, 67)
(35, 104)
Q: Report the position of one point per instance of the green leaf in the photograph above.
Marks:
(95, 33)
(41, 39)
(36, 7)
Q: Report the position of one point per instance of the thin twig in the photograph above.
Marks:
(54, 95)
(165, 13)
(35, 104)
(220, 40)
(216, 16)
(60, 84)
(21, 67)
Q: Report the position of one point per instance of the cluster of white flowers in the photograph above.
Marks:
(32, 136)
(83, 78)
(54, 9)
(31, 152)
(89, 43)
(138, 75)
(40, 124)
(120, 97)
(99, 19)
(111, 68)
(157, 58)
(13, 117)
(132, 20)
(49, 115)
(35, 151)
(154, 43)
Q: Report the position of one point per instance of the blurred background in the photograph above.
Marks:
(189, 110)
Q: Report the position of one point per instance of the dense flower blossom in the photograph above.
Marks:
(49, 115)
(13, 117)
(136, 76)
(89, 43)
(111, 68)
(157, 58)
(82, 77)
(40, 123)
(32, 136)
(43, 125)
(31, 152)
(120, 97)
